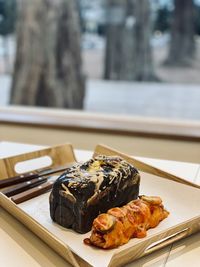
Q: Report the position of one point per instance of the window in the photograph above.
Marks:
(136, 58)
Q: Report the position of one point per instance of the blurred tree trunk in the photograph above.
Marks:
(48, 67)
(128, 50)
(182, 45)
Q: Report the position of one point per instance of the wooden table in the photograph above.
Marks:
(19, 247)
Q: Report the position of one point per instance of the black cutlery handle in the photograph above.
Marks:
(31, 175)
(18, 179)
(16, 189)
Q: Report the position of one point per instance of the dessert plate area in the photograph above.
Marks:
(180, 200)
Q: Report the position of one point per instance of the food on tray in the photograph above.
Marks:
(119, 225)
(85, 190)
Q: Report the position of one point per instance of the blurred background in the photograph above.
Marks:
(133, 57)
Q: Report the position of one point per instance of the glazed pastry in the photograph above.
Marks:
(119, 225)
(85, 190)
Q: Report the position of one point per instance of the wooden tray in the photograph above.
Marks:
(180, 199)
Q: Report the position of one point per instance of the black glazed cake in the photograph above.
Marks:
(85, 190)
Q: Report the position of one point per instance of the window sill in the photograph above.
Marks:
(97, 122)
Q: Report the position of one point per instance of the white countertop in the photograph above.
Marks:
(20, 247)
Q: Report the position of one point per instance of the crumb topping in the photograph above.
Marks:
(95, 176)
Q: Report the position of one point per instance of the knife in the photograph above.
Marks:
(16, 189)
(31, 175)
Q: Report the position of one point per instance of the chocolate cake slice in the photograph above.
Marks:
(85, 190)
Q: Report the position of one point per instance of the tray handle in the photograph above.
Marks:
(59, 155)
(166, 241)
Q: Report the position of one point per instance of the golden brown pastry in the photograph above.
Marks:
(119, 225)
